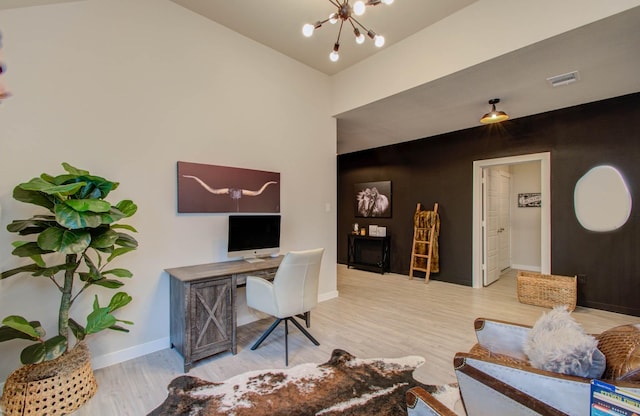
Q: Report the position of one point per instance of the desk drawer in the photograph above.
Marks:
(268, 274)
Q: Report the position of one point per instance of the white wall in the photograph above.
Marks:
(525, 222)
(125, 89)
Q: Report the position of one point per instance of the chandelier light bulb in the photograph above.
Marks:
(334, 56)
(358, 8)
(333, 18)
(307, 29)
(387, 1)
(379, 41)
(360, 39)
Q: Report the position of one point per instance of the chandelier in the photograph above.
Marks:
(345, 13)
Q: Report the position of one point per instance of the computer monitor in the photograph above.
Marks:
(253, 236)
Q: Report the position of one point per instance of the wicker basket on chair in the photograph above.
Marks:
(56, 387)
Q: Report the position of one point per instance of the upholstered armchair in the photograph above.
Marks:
(496, 378)
(496, 374)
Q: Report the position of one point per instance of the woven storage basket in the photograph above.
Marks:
(56, 387)
(547, 290)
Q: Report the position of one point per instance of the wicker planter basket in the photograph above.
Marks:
(547, 290)
(56, 387)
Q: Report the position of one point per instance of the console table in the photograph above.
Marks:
(369, 253)
(203, 305)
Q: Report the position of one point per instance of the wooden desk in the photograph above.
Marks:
(203, 305)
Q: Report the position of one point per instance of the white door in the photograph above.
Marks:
(504, 221)
(491, 218)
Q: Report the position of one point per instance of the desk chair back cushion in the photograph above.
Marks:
(294, 289)
(295, 285)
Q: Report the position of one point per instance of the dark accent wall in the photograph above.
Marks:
(440, 169)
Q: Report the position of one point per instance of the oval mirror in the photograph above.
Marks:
(602, 200)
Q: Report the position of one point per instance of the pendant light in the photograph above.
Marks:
(494, 116)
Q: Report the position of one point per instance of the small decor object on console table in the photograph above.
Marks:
(80, 229)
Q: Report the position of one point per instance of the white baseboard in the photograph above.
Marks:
(327, 296)
(526, 268)
(106, 360)
(101, 361)
(117, 357)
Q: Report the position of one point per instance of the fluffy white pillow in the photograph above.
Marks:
(558, 343)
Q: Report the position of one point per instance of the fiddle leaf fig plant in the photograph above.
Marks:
(72, 246)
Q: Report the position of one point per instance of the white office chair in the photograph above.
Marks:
(294, 291)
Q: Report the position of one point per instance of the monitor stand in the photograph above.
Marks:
(253, 259)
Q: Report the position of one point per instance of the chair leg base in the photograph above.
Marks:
(304, 331)
(286, 335)
(306, 317)
(266, 334)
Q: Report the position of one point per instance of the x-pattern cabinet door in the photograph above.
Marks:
(212, 317)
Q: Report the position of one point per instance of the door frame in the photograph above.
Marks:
(545, 214)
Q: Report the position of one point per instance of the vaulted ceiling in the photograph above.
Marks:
(278, 24)
(605, 53)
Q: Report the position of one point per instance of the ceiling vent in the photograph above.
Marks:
(564, 79)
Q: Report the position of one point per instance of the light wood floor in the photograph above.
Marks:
(374, 316)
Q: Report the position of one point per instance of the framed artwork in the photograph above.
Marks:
(210, 188)
(530, 200)
(373, 199)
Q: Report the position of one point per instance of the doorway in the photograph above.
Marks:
(480, 243)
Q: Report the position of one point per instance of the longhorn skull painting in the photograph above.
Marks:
(209, 188)
(373, 199)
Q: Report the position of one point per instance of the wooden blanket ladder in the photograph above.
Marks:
(422, 247)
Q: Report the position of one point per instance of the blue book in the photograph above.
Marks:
(607, 399)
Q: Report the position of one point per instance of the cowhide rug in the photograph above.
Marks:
(345, 385)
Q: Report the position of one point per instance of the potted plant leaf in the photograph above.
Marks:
(71, 245)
